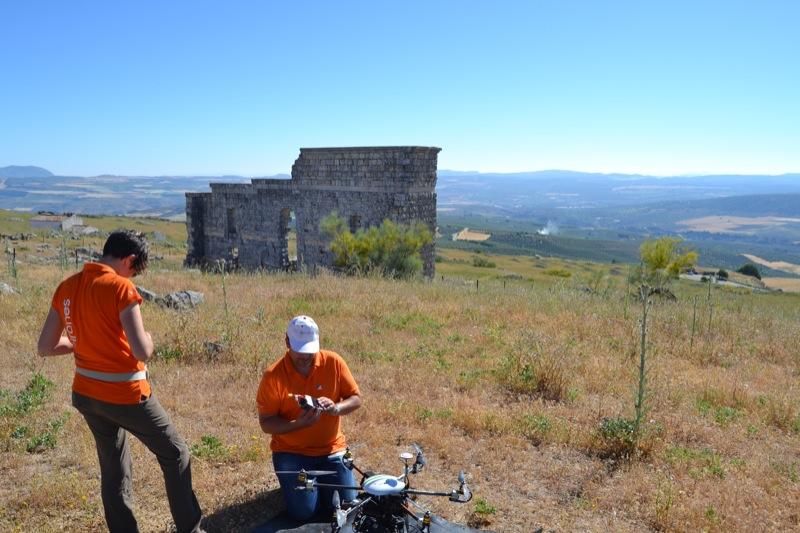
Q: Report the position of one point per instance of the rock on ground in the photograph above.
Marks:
(181, 300)
(5, 288)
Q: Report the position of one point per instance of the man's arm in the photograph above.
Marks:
(345, 406)
(277, 425)
(141, 342)
(51, 340)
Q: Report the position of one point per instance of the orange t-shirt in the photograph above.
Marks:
(89, 304)
(329, 377)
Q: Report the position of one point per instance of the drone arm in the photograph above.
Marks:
(312, 484)
(427, 492)
(460, 495)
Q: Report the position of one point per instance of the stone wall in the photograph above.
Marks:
(248, 223)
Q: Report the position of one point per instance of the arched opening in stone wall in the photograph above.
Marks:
(355, 223)
(230, 223)
(288, 239)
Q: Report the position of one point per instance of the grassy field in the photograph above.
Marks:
(510, 378)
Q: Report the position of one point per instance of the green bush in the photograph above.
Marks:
(540, 375)
(210, 447)
(617, 437)
(484, 507)
(391, 249)
(47, 439)
(31, 397)
(535, 427)
(169, 353)
(558, 272)
(749, 269)
(482, 262)
(722, 274)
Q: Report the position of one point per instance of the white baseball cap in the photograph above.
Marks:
(303, 334)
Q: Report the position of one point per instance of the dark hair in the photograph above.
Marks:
(122, 243)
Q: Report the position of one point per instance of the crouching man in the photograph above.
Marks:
(307, 435)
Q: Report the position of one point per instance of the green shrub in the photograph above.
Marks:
(702, 462)
(722, 274)
(28, 399)
(482, 262)
(168, 353)
(749, 269)
(617, 438)
(483, 507)
(535, 427)
(47, 439)
(210, 447)
(391, 249)
(541, 375)
(558, 272)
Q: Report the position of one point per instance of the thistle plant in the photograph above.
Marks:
(661, 262)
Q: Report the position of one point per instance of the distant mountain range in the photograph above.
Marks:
(520, 192)
(15, 171)
(577, 214)
(577, 199)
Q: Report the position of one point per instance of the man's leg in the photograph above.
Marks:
(150, 423)
(113, 453)
(300, 504)
(343, 476)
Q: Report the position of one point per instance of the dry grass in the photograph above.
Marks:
(510, 382)
(784, 284)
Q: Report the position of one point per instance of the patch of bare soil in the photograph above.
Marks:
(475, 236)
(731, 224)
(784, 284)
(783, 266)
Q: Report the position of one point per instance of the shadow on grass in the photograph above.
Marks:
(245, 516)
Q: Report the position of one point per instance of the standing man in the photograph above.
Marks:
(95, 314)
(307, 435)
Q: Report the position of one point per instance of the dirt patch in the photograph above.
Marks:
(783, 266)
(468, 235)
(731, 224)
(784, 284)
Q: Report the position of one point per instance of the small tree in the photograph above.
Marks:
(662, 260)
(391, 249)
(749, 269)
(722, 273)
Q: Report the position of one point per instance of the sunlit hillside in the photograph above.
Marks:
(507, 367)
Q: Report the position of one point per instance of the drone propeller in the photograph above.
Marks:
(420, 461)
(462, 494)
(339, 516)
(307, 472)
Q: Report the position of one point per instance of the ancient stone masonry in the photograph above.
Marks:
(249, 223)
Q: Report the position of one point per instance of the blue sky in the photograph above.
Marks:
(211, 88)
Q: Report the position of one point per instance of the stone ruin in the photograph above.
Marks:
(249, 224)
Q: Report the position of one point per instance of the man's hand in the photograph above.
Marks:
(308, 417)
(277, 425)
(52, 341)
(327, 405)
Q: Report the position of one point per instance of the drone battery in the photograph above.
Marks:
(307, 401)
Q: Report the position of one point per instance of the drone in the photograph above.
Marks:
(385, 503)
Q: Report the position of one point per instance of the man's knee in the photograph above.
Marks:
(173, 454)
